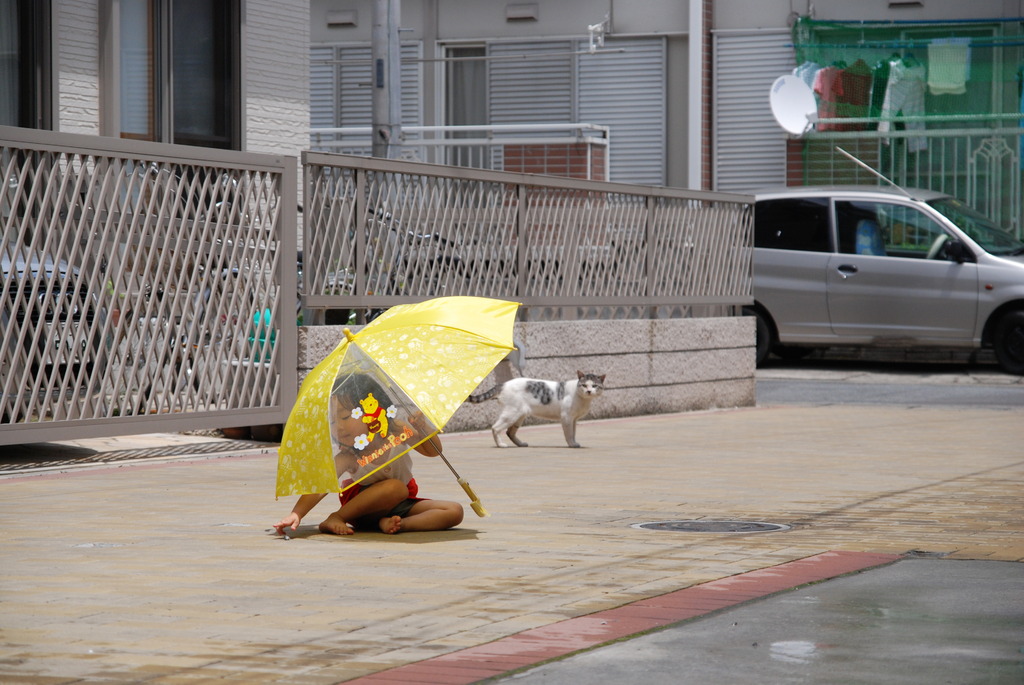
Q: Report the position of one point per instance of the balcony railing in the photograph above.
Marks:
(496, 147)
(976, 158)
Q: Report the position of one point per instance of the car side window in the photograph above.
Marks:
(886, 229)
(792, 224)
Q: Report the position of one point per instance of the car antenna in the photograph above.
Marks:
(876, 173)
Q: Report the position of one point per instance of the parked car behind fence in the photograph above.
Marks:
(877, 267)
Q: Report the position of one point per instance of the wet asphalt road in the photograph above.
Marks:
(916, 621)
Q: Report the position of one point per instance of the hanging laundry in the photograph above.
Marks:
(1020, 122)
(904, 96)
(879, 82)
(828, 87)
(949, 66)
(843, 93)
(856, 94)
(806, 72)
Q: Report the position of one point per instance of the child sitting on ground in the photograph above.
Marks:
(387, 500)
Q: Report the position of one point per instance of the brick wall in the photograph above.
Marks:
(794, 162)
(575, 160)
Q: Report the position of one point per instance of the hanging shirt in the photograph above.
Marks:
(879, 82)
(843, 93)
(949, 64)
(828, 87)
(904, 96)
(1020, 122)
(856, 95)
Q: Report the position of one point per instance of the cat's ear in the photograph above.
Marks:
(602, 378)
(580, 374)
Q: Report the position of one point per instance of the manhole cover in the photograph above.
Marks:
(708, 526)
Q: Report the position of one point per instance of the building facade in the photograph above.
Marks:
(683, 87)
(615, 64)
(230, 74)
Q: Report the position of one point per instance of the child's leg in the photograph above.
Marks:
(432, 514)
(377, 499)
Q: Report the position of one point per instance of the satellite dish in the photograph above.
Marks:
(793, 104)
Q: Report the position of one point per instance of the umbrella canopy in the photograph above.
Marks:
(402, 377)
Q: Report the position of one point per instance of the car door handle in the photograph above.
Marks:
(846, 270)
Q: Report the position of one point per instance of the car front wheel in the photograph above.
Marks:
(1008, 342)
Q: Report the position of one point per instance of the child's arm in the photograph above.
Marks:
(302, 507)
(431, 447)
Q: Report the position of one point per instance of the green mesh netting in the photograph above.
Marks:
(929, 104)
(971, 69)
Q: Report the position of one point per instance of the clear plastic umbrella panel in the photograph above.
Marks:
(388, 388)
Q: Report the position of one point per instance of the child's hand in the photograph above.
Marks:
(292, 521)
(419, 422)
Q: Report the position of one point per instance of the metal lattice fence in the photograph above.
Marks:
(383, 232)
(144, 285)
(152, 287)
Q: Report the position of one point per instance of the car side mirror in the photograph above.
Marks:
(957, 251)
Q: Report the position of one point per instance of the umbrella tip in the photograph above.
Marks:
(348, 335)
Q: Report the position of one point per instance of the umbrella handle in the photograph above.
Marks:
(474, 501)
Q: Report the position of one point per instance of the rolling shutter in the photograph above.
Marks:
(749, 147)
(626, 91)
(530, 83)
(321, 87)
(340, 86)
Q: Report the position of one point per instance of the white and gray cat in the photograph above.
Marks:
(565, 401)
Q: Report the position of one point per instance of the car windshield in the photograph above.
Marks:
(982, 230)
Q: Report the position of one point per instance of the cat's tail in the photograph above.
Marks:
(489, 395)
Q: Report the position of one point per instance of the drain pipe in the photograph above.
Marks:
(695, 117)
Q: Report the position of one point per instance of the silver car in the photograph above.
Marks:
(877, 267)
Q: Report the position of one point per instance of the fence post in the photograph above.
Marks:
(521, 242)
(649, 257)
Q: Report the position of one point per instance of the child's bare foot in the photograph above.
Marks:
(335, 525)
(389, 525)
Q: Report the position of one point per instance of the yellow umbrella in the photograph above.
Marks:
(409, 369)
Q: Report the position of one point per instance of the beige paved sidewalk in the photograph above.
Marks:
(164, 572)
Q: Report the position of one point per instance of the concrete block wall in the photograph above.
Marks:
(651, 366)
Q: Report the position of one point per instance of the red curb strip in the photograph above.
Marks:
(560, 639)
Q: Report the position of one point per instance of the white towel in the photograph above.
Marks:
(949, 66)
